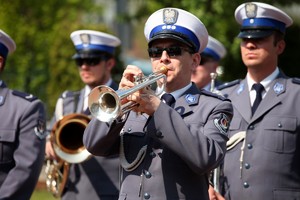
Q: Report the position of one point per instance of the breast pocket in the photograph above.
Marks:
(7, 145)
(279, 134)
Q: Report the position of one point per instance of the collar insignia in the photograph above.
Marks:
(278, 88)
(251, 10)
(240, 89)
(190, 98)
(170, 16)
(1, 100)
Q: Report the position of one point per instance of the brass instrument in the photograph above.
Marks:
(213, 77)
(66, 139)
(105, 103)
(216, 172)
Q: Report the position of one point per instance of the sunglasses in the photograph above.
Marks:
(205, 59)
(156, 52)
(88, 61)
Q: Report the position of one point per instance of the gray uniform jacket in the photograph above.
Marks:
(168, 155)
(22, 143)
(96, 178)
(270, 159)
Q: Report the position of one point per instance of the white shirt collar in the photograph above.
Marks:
(176, 94)
(265, 82)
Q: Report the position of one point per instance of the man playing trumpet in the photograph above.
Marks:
(168, 150)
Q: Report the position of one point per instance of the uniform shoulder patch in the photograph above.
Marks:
(229, 84)
(28, 97)
(296, 80)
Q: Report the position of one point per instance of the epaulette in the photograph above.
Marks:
(68, 93)
(28, 97)
(296, 81)
(207, 93)
(229, 84)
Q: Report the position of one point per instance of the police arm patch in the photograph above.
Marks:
(222, 123)
(40, 129)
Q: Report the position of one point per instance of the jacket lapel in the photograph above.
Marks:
(80, 102)
(241, 101)
(273, 97)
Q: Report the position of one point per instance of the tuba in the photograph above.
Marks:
(106, 104)
(66, 139)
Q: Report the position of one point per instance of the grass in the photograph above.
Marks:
(41, 193)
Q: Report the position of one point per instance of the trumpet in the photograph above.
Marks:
(105, 103)
(66, 139)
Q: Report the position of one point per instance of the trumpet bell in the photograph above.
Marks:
(67, 138)
(104, 103)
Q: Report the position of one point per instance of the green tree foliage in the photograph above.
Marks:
(42, 63)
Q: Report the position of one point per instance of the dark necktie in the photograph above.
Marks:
(168, 99)
(259, 89)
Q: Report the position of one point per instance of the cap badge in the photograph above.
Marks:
(85, 38)
(251, 10)
(170, 16)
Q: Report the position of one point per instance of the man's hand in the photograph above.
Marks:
(50, 154)
(147, 101)
(214, 195)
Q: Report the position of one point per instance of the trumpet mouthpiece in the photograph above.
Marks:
(163, 70)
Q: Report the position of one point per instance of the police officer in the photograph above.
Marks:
(22, 135)
(167, 148)
(263, 156)
(210, 61)
(97, 177)
(205, 77)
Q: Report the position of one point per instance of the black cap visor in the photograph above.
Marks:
(255, 32)
(85, 53)
(171, 35)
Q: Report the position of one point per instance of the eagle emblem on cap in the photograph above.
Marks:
(170, 16)
(85, 38)
(251, 10)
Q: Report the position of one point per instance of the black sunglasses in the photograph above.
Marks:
(88, 61)
(156, 52)
(205, 59)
